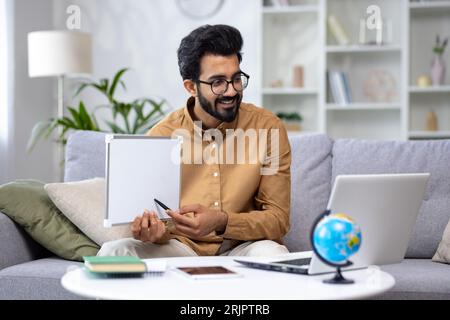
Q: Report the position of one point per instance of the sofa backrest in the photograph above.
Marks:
(316, 161)
(371, 157)
(85, 156)
(310, 186)
(310, 176)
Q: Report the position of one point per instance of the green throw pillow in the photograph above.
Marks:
(27, 203)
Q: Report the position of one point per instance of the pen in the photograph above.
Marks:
(162, 205)
(165, 220)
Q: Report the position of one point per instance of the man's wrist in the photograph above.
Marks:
(223, 221)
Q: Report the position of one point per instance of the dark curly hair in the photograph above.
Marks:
(216, 39)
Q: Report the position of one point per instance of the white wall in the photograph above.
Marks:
(34, 99)
(145, 35)
(141, 34)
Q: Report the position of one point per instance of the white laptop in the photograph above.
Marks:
(385, 206)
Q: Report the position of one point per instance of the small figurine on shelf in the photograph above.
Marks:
(437, 70)
(291, 120)
(423, 81)
(298, 76)
(276, 83)
(432, 122)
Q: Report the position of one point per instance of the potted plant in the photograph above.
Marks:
(135, 117)
(291, 120)
(437, 70)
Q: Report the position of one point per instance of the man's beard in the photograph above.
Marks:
(226, 115)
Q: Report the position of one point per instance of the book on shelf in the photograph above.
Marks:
(114, 264)
(339, 87)
(337, 30)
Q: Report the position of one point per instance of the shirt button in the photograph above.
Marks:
(215, 174)
(216, 203)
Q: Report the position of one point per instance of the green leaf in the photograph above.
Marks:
(115, 128)
(66, 122)
(82, 87)
(37, 133)
(116, 79)
(123, 85)
(76, 117)
(87, 122)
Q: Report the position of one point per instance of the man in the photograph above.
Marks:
(237, 207)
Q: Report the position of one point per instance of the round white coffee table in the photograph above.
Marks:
(253, 285)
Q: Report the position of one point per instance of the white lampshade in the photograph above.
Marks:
(57, 53)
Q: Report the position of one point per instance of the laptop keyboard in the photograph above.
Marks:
(296, 262)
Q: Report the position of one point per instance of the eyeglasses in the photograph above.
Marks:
(220, 86)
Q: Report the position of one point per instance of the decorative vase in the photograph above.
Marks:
(437, 71)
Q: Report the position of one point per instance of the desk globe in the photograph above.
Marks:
(334, 238)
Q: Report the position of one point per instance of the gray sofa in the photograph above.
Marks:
(27, 271)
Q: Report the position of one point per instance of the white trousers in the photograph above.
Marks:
(175, 248)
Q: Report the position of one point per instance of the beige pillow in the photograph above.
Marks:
(83, 203)
(443, 252)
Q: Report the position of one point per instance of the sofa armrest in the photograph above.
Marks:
(16, 246)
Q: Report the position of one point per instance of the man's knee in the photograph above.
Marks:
(121, 247)
(266, 248)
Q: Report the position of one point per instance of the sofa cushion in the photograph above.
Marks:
(443, 252)
(83, 203)
(27, 203)
(85, 156)
(16, 246)
(310, 186)
(418, 279)
(39, 279)
(371, 157)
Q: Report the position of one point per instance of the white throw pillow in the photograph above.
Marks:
(83, 203)
(443, 251)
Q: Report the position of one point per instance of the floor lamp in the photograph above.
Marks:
(59, 54)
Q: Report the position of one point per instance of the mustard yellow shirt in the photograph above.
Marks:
(257, 204)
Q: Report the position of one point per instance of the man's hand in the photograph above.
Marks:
(148, 227)
(203, 222)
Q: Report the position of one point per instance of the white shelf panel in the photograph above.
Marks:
(288, 91)
(433, 89)
(430, 6)
(301, 133)
(291, 9)
(364, 106)
(429, 134)
(362, 48)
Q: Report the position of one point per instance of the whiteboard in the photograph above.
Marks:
(139, 169)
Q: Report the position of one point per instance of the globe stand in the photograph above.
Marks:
(338, 278)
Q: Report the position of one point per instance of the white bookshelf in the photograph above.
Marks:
(299, 34)
(291, 9)
(431, 89)
(289, 91)
(426, 20)
(364, 106)
(362, 48)
(429, 134)
(290, 37)
(429, 6)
